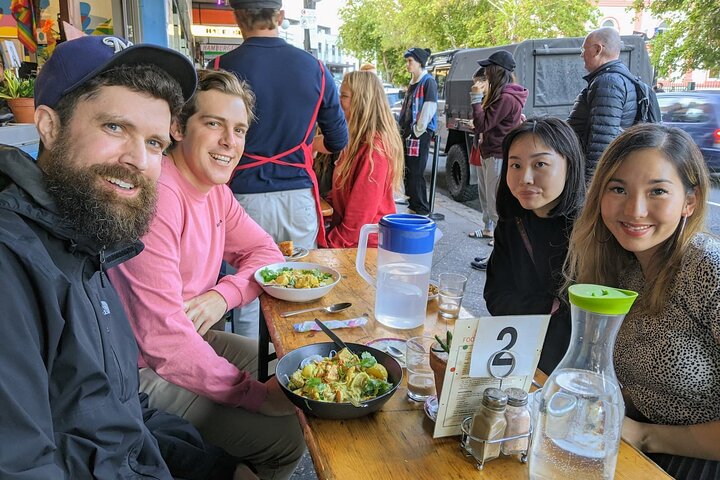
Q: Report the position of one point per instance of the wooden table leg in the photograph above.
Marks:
(264, 355)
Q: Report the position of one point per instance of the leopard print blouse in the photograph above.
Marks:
(669, 364)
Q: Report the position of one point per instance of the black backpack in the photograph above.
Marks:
(648, 108)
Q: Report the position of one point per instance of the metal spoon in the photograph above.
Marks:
(338, 307)
(394, 351)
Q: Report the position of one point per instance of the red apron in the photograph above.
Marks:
(307, 156)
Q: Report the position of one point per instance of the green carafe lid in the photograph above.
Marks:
(603, 300)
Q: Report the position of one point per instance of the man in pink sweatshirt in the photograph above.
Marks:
(173, 296)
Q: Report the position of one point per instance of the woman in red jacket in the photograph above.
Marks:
(497, 108)
(372, 164)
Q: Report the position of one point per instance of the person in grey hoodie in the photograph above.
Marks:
(497, 108)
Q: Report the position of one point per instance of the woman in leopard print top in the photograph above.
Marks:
(641, 229)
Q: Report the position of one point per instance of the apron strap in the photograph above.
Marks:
(307, 156)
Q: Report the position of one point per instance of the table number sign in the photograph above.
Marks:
(499, 352)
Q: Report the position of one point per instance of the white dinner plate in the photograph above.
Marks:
(298, 252)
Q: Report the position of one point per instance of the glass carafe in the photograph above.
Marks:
(404, 259)
(577, 433)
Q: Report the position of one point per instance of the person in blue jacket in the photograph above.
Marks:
(275, 181)
(69, 390)
(418, 122)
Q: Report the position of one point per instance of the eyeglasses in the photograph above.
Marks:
(582, 49)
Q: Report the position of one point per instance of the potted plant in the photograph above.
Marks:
(19, 94)
(438, 360)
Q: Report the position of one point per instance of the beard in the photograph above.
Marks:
(92, 209)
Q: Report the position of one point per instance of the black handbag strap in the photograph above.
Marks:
(525, 239)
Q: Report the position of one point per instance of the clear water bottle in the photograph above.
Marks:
(577, 434)
(405, 248)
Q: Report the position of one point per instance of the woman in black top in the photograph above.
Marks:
(541, 189)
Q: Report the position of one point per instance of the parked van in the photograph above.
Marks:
(438, 66)
(552, 71)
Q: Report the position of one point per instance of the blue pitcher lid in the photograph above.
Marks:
(407, 233)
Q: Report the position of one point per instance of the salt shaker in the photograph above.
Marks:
(517, 416)
(488, 424)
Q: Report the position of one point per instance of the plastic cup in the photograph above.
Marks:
(451, 289)
(421, 380)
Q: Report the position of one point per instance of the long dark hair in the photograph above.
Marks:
(497, 78)
(560, 137)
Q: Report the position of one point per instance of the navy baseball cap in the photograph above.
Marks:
(76, 61)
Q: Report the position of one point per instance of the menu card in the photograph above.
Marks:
(507, 347)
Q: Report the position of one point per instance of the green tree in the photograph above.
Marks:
(692, 37)
(439, 24)
(369, 33)
(517, 20)
(381, 30)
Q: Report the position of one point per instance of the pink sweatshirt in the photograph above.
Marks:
(190, 236)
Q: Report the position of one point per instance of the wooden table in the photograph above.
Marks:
(326, 208)
(395, 442)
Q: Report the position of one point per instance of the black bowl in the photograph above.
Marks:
(290, 362)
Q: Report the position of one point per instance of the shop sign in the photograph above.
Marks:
(215, 31)
(213, 47)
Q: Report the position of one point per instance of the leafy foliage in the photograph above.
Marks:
(381, 30)
(14, 87)
(692, 37)
(445, 344)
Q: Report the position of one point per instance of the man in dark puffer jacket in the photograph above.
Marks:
(609, 103)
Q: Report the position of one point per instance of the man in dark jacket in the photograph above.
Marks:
(69, 403)
(609, 103)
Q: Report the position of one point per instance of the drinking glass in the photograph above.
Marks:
(421, 380)
(451, 288)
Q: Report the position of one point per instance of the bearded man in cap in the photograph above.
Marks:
(418, 122)
(274, 180)
(68, 358)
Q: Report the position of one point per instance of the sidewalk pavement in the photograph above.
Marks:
(455, 250)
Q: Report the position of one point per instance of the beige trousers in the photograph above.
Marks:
(273, 445)
(285, 215)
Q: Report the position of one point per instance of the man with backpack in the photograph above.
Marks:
(614, 99)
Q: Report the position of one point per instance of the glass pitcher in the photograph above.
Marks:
(577, 433)
(404, 259)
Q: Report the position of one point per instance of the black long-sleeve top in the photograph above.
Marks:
(517, 286)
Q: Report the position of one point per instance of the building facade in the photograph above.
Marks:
(616, 14)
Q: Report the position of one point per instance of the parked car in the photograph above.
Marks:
(394, 95)
(698, 113)
(395, 98)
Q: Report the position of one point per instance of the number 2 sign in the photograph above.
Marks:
(508, 345)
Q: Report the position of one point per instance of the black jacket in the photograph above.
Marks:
(517, 286)
(602, 110)
(69, 405)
